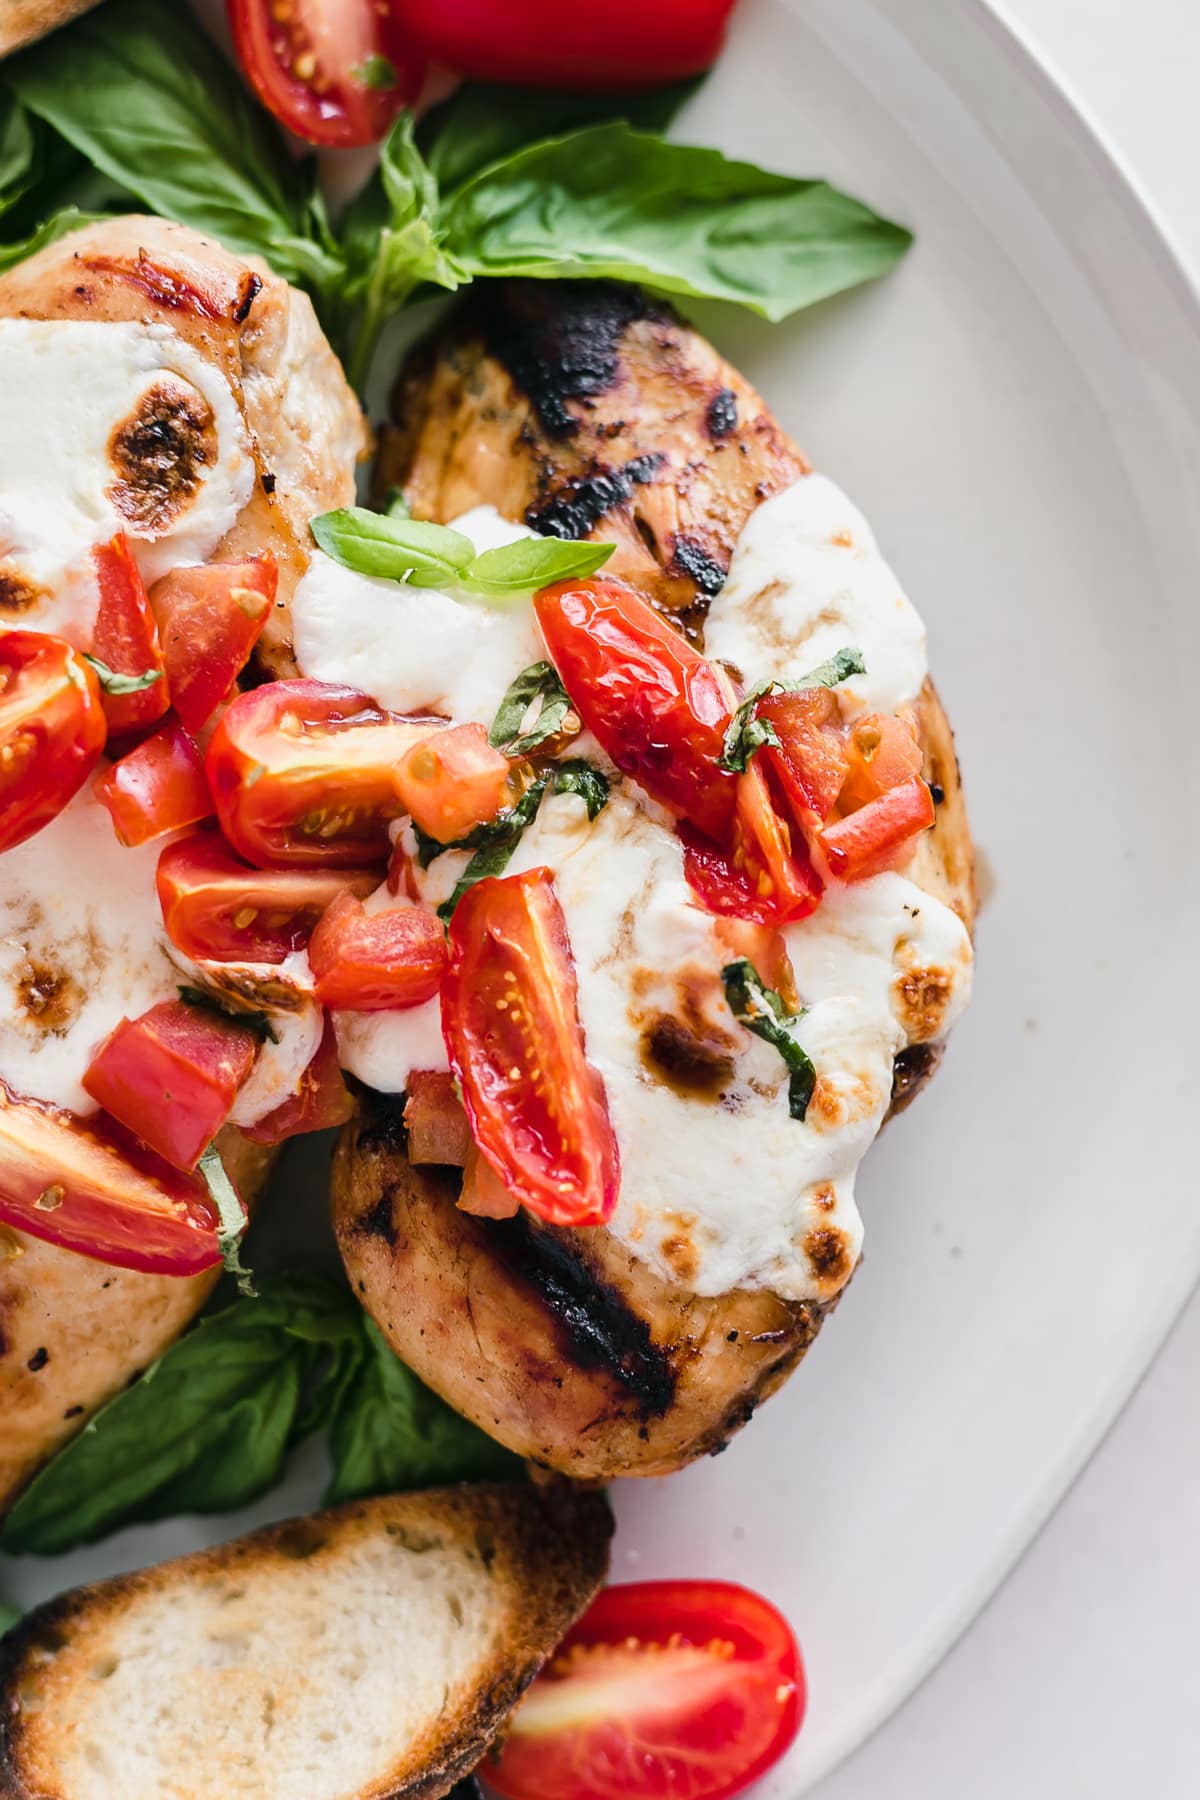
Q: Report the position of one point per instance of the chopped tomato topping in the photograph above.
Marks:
(881, 753)
(52, 730)
(435, 1121)
(172, 1075)
(322, 1100)
(453, 780)
(126, 639)
(483, 1194)
(376, 962)
(537, 1108)
(766, 874)
(210, 619)
(765, 949)
(217, 908)
(158, 787)
(811, 762)
(880, 835)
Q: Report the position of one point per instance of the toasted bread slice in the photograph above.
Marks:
(367, 1653)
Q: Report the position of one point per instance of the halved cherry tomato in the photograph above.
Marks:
(172, 1076)
(126, 640)
(52, 730)
(658, 707)
(880, 835)
(333, 71)
(537, 1107)
(323, 1100)
(682, 1688)
(765, 874)
(210, 619)
(376, 962)
(453, 780)
(301, 772)
(881, 752)
(811, 762)
(623, 44)
(158, 787)
(217, 908)
(85, 1184)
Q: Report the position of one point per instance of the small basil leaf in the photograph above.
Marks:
(113, 682)
(582, 778)
(59, 225)
(257, 1022)
(232, 1216)
(9, 1616)
(839, 667)
(747, 732)
(398, 549)
(513, 730)
(17, 151)
(494, 844)
(514, 570)
(761, 1010)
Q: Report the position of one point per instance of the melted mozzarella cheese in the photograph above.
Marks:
(108, 427)
(807, 579)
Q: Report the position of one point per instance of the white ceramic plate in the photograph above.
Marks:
(1018, 411)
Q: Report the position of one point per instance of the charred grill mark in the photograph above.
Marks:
(574, 509)
(722, 415)
(692, 560)
(378, 1221)
(602, 1331)
(559, 346)
(249, 288)
(160, 453)
(383, 1131)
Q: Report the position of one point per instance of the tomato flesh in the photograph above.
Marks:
(217, 908)
(453, 780)
(880, 835)
(691, 1689)
(125, 638)
(301, 772)
(765, 874)
(376, 962)
(659, 709)
(210, 619)
(52, 730)
(537, 1108)
(881, 753)
(316, 64)
(322, 1100)
(624, 44)
(811, 763)
(158, 787)
(172, 1076)
(83, 1184)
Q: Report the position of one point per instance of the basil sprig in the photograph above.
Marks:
(114, 682)
(232, 1220)
(747, 733)
(517, 728)
(764, 1012)
(400, 548)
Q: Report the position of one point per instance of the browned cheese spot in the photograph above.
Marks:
(160, 453)
(841, 1102)
(826, 1249)
(18, 594)
(679, 1254)
(920, 998)
(682, 1042)
(50, 998)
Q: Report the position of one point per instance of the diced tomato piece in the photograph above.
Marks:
(880, 835)
(434, 1119)
(376, 962)
(52, 729)
(881, 752)
(482, 1193)
(765, 949)
(126, 639)
(537, 1108)
(172, 1076)
(659, 709)
(322, 1101)
(766, 875)
(811, 762)
(210, 619)
(453, 780)
(301, 772)
(217, 908)
(88, 1186)
(158, 787)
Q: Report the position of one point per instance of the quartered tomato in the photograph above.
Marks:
(322, 1100)
(880, 835)
(52, 730)
(453, 780)
(764, 872)
(659, 709)
(690, 1689)
(622, 44)
(537, 1107)
(85, 1184)
(125, 639)
(302, 774)
(172, 1076)
(217, 908)
(334, 71)
(158, 787)
(210, 619)
(376, 962)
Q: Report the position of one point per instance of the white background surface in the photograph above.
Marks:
(1082, 1678)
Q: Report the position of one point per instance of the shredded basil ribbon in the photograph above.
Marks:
(539, 682)
(232, 1219)
(115, 683)
(748, 733)
(761, 1010)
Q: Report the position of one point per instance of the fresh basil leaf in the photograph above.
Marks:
(481, 123)
(398, 549)
(513, 571)
(232, 1219)
(761, 1010)
(397, 506)
(837, 668)
(206, 1428)
(392, 1433)
(583, 778)
(17, 152)
(513, 730)
(377, 72)
(496, 843)
(59, 225)
(747, 733)
(9, 1616)
(611, 201)
(113, 682)
(257, 1022)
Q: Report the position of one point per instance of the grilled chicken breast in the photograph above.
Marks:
(585, 410)
(23, 21)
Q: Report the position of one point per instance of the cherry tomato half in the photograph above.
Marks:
(158, 787)
(658, 707)
(52, 730)
(682, 1688)
(623, 44)
(87, 1185)
(376, 962)
(333, 71)
(125, 639)
(537, 1107)
(210, 619)
(217, 908)
(301, 772)
(321, 1101)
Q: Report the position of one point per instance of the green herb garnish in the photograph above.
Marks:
(513, 730)
(232, 1219)
(747, 732)
(113, 682)
(761, 1010)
